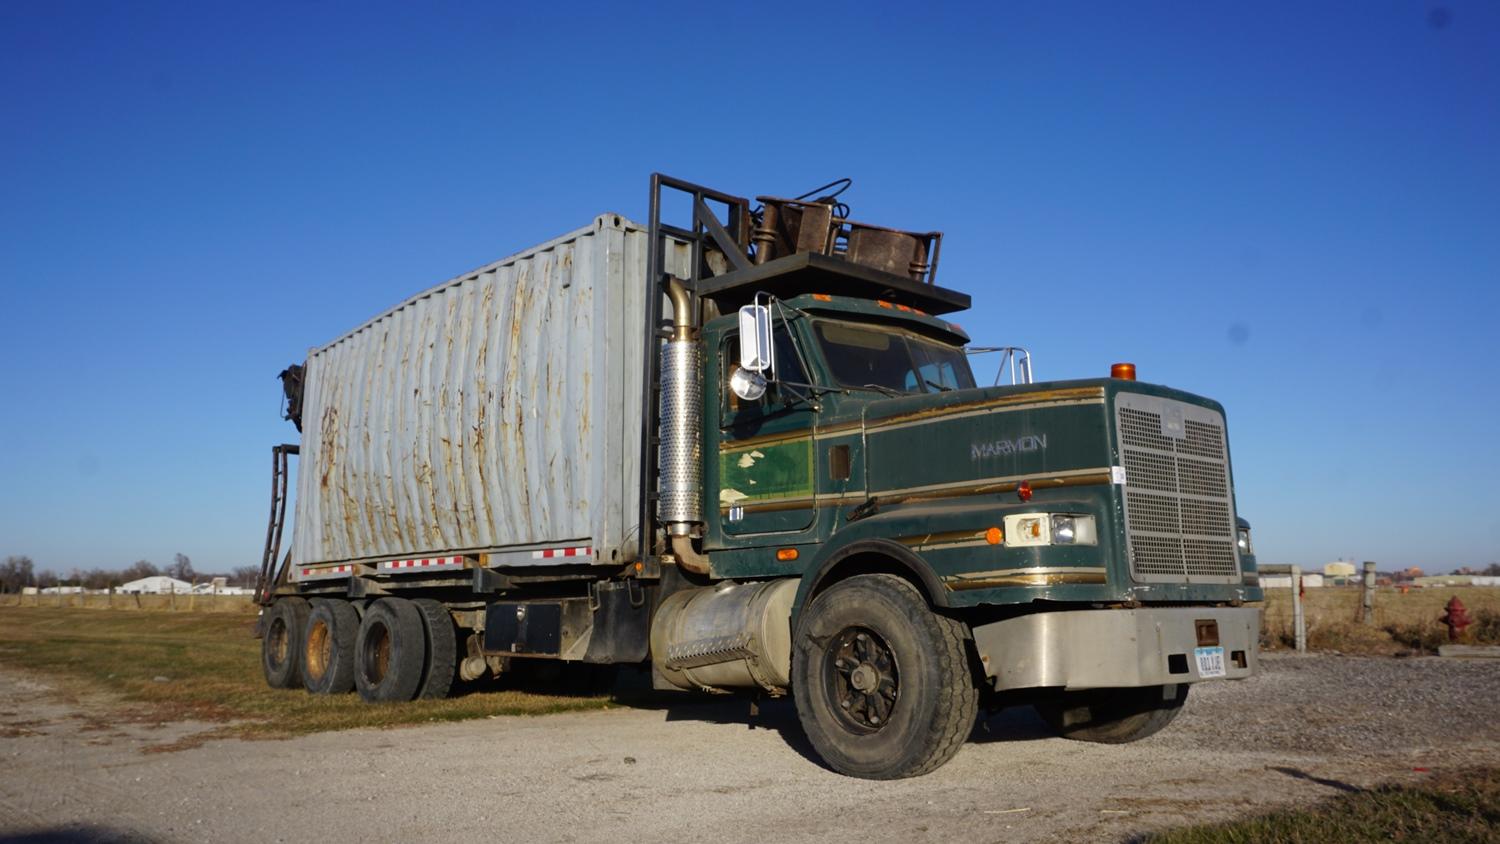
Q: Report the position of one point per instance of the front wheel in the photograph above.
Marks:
(882, 683)
(1113, 716)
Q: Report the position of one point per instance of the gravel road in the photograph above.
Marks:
(692, 769)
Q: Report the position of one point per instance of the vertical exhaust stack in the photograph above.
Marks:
(680, 502)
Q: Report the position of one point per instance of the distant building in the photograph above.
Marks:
(1456, 580)
(1310, 580)
(1338, 569)
(156, 585)
(220, 586)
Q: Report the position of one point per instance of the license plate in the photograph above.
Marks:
(1210, 662)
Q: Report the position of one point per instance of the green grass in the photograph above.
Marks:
(1451, 807)
(209, 666)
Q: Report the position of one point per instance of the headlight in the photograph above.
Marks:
(1244, 541)
(1063, 530)
(1025, 530)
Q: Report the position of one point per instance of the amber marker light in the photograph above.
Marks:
(1023, 491)
(786, 555)
(822, 297)
(1123, 371)
(994, 536)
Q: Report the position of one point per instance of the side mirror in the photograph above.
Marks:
(757, 356)
(755, 338)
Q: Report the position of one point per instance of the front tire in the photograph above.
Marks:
(1113, 716)
(883, 684)
(281, 646)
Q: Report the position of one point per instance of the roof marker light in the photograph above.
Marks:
(1123, 371)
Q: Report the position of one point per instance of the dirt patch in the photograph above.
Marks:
(682, 767)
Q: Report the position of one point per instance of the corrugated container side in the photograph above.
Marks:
(500, 409)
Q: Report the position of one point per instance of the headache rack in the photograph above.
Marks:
(785, 247)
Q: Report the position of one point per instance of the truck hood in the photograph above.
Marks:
(987, 439)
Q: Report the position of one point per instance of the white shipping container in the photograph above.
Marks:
(497, 411)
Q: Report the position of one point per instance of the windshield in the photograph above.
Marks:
(891, 359)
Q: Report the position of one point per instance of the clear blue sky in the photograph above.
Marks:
(1294, 208)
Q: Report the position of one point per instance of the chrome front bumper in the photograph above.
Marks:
(1088, 649)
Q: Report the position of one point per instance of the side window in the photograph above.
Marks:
(729, 359)
(788, 368)
(788, 365)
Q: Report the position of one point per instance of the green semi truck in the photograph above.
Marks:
(744, 448)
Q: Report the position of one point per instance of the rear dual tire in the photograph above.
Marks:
(328, 653)
(388, 653)
(405, 650)
(282, 643)
(440, 654)
(392, 650)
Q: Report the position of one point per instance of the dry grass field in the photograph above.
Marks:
(1404, 622)
(206, 666)
(157, 603)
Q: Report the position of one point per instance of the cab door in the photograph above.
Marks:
(764, 474)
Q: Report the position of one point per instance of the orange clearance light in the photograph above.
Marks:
(640, 567)
(822, 297)
(993, 536)
(1123, 371)
(1023, 491)
(786, 555)
(883, 303)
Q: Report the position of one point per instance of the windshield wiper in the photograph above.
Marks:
(878, 388)
(939, 387)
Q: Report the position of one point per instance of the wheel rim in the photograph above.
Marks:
(279, 642)
(319, 649)
(862, 679)
(377, 656)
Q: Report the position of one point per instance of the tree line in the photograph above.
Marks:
(18, 572)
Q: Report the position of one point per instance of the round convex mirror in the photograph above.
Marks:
(747, 384)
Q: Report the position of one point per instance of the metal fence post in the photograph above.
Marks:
(1367, 597)
(1299, 622)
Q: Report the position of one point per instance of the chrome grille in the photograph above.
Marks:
(1179, 516)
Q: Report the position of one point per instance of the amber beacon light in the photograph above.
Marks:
(1123, 371)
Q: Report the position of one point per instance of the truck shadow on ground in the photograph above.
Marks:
(74, 835)
(631, 688)
(779, 715)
